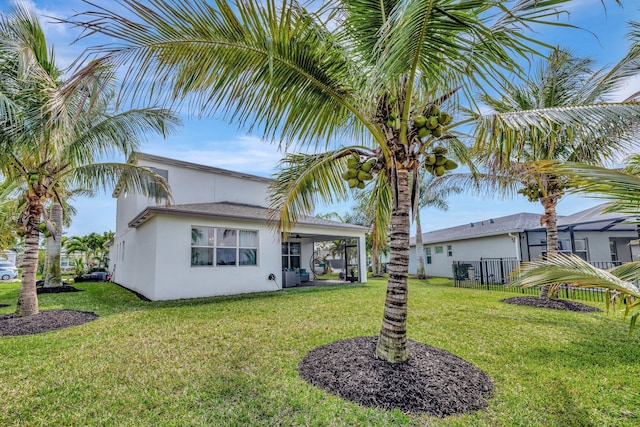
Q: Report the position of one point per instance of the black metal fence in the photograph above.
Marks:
(493, 274)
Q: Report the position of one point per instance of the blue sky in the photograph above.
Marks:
(212, 142)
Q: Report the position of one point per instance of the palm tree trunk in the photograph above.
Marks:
(421, 270)
(550, 221)
(28, 297)
(52, 275)
(392, 342)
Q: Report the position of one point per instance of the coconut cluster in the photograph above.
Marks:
(358, 172)
(432, 123)
(42, 227)
(437, 163)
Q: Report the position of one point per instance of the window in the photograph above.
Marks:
(449, 250)
(428, 254)
(291, 255)
(580, 247)
(223, 247)
(439, 250)
(165, 175)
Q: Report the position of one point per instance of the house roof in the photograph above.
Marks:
(233, 211)
(189, 165)
(591, 219)
(489, 227)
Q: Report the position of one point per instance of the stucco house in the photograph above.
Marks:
(594, 236)
(215, 238)
(9, 256)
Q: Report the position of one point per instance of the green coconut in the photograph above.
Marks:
(430, 159)
(450, 165)
(367, 166)
(433, 110)
(420, 121)
(440, 170)
(423, 133)
(353, 182)
(432, 122)
(360, 185)
(437, 132)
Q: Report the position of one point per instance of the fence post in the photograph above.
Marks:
(481, 274)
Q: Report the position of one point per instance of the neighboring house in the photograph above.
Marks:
(10, 256)
(216, 238)
(590, 234)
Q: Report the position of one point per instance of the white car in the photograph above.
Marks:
(6, 273)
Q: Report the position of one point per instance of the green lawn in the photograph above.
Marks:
(232, 361)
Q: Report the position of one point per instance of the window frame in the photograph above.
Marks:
(214, 248)
(439, 249)
(427, 254)
(449, 250)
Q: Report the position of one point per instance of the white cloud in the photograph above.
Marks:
(242, 154)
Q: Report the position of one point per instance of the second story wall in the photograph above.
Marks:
(191, 183)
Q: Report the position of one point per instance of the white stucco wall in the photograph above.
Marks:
(157, 254)
(176, 278)
(502, 246)
(158, 260)
(198, 186)
(8, 256)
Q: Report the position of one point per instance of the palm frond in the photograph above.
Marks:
(131, 178)
(573, 270)
(238, 60)
(379, 203)
(619, 187)
(120, 133)
(303, 180)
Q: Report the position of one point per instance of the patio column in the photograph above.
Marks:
(362, 256)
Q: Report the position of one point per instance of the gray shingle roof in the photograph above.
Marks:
(594, 219)
(489, 227)
(231, 211)
(588, 219)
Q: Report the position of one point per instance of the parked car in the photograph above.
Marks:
(6, 273)
(7, 265)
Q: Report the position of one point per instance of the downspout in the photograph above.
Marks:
(516, 240)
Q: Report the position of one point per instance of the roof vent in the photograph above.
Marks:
(472, 224)
(491, 221)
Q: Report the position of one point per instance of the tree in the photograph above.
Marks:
(54, 130)
(51, 275)
(90, 247)
(582, 127)
(560, 269)
(368, 72)
(430, 196)
(622, 189)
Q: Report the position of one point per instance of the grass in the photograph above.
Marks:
(232, 360)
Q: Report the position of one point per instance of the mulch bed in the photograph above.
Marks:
(45, 321)
(555, 304)
(431, 381)
(57, 289)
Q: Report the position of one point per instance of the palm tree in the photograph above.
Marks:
(582, 127)
(60, 217)
(56, 130)
(560, 269)
(430, 196)
(368, 73)
(621, 188)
